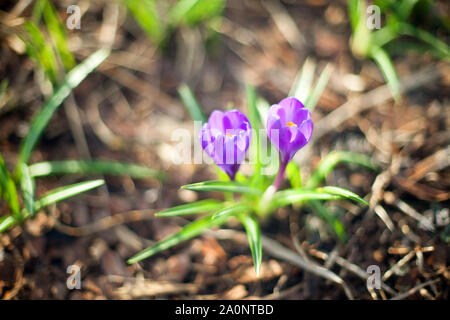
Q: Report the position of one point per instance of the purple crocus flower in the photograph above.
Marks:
(289, 127)
(226, 138)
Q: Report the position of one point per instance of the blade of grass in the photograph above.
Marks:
(255, 122)
(192, 208)
(237, 208)
(71, 81)
(402, 47)
(384, 35)
(191, 104)
(332, 160)
(387, 68)
(189, 231)
(65, 192)
(254, 118)
(37, 12)
(426, 37)
(343, 193)
(225, 186)
(294, 175)
(404, 8)
(313, 98)
(354, 12)
(9, 190)
(146, 15)
(41, 169)
(27, 186)
(38, 50)
(204, 10)
(291, 196)
(336, 225)
(263, 108)
(179, 10)
(51, 197)
(194, 11)
(302, 84)
(58, 35)
(252, 229)
(361, 36)
(6, 222)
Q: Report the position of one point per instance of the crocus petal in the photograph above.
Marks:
(300, 115)
(306, 129)
(237, 120)
(273, 129)
(226, 138)
(289, 127)
(273, 122)
(216, 120)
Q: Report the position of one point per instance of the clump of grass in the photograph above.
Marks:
(159, 18)
(19, 187)
(373, 44)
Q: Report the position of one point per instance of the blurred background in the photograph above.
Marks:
(387, 97)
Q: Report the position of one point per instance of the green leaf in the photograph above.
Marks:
(313, 98)
(294, 175)
(146, 15)
(331, 219)
(302, 84)
(234, 209)
(37, 12)
(387, 68)
(194, 11)
(72, 80)
(225, 186)
(290, 196)
(38, 50)
(189, 231)
(9, 191)
(51, 197)
(92, 167)
(404, 46)
(332, 160)
(65, 192)
(384, 35)
(263, 109)
(343, 193)
(6, 222)
(252, 229)
(255, 122)
(27, 186)
(56, 31)
(361, 39)
(191, 104)
(405, 8)
(354, 12)
(253, 112)
(426, 37)
(192, 208)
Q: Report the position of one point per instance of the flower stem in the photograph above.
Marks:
(280, 175)
(264, 204)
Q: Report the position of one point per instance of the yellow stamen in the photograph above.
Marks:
(291, 124)
(229, 135)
